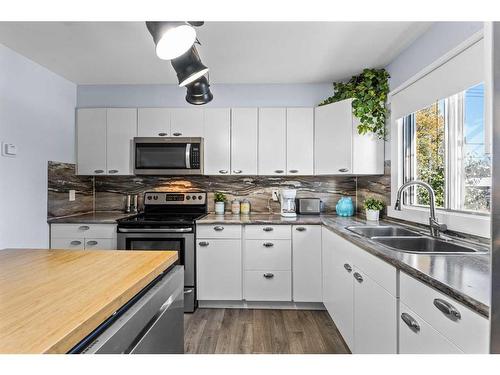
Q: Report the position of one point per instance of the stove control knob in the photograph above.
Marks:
(188, 197)
(155, 197)
(194, 197)
(200, 197)
(149, 197)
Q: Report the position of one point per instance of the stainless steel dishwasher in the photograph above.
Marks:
(151, 323)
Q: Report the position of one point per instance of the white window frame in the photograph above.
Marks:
(464, 222)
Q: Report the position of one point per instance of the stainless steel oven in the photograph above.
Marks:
(168, 156)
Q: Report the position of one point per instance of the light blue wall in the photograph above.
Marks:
(437, 41)
(225, 95)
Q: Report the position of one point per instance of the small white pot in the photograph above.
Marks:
(219, 208)
(372, 215)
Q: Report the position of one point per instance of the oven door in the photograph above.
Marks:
(147, 239)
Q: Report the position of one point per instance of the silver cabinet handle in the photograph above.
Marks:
(344, 170)
(92, 243)
(410, 322)
(237, 171)
(268, 275)
(203, 243)
(268, 229)
(162, 134)
(447, 309)
(99, 171)
(113, 171)
(293, 171)
(84, 227)
(219, 228)
(279, 171)
(75, 243)
(300, 229)
(348, 267)
(268, 244)
(177, 134)
(358, 277)
(223, 171)
(188, 291)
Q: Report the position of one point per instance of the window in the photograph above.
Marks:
(444, 145)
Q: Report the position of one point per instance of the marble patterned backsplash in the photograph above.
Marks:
(108, 193)
(374, 186)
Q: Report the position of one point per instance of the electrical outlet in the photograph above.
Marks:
(72, 195)
(276, 195)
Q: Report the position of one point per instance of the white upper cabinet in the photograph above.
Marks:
(338, 148)
(300, 141)
(244, 130)
(186, 122)
(272, 141)
(91, 141)
(153, 122)
(120, 131)
(217, 134)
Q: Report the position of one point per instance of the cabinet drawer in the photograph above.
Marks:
(416, 336)
(218, 231)
(268, 285)
(67, 243)
(467, 330)
(100, 244)
(268, 254)
(264, 232)
(83, 230)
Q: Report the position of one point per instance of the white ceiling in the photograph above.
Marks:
(235, 52)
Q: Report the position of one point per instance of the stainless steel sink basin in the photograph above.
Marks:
(424, 245)
(381, 231)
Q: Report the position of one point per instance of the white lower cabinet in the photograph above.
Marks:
(416, 336)
(306, 267)
(268, 285)
(83, 236)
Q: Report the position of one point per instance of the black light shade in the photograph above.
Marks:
(172, 39)
(189, 67)
(198, 92)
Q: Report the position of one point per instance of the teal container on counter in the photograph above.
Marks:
(345, 207)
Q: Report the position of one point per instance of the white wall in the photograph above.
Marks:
(37, 110)
(225, 95)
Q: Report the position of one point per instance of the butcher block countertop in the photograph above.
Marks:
(52, 299)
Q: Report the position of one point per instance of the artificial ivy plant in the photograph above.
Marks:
(369, 93)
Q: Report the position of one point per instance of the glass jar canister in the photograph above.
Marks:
(235, 207)
(245, 207)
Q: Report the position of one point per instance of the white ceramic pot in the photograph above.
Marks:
(219, 208)
(372, 215)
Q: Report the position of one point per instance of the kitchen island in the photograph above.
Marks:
(50, 300)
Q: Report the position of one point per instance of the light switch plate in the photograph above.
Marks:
(72, 195)
(9, 150)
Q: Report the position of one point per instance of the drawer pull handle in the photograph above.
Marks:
(348, 267)
(113, 171)
(75, 243)
(447, 309)
(268, 229)
(358, 277)
(98, 171)
(268, 244)
(268, 275)
(223, 171)
(203, 243)
(343, 170)
(162, 134)
(279, 171)
(218, 228)
(92, 243)
(300, 229)
(177, 134)
(410, 322)
(294, 171)
(237, 171)
(84, 227)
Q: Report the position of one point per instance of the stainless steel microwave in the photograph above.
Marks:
(168, 156)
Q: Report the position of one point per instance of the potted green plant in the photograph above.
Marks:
(373, 207)
(220, 199)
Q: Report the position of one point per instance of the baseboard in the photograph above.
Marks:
(261, 305)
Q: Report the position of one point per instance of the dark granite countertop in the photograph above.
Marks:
(256, 219)
(98, 217)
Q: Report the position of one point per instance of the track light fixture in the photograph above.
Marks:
(172, 39)
(189, 67)
(198, 92)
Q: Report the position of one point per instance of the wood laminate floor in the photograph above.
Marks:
(241, 331)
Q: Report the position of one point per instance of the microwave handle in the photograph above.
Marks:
(188, 155)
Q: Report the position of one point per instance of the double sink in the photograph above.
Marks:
(409, 241)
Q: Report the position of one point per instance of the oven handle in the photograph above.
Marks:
(188, 155)
(153, 230)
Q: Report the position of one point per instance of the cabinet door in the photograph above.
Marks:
(153, 122)
(187, 122)
(338, 284)
(67, 243)
(375, 317)
(416, 336)
(217, 134)
(299, 141)
(120, 132)
(333, 138)
(272, 141)
(218, 265)
(244, 125)
(91, 141)
(306, 255)
(100, 243)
